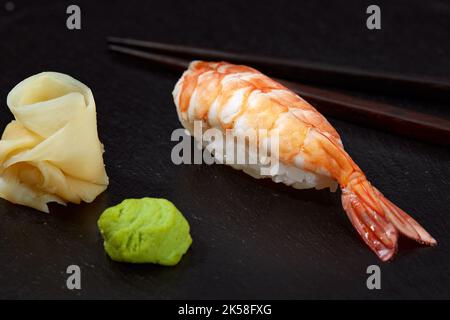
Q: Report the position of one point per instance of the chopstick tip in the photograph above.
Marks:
(112, 39)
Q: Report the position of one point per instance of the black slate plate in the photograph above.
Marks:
(252, 239)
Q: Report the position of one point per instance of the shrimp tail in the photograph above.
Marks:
(377, 220)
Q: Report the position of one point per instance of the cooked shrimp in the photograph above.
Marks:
(227, 96)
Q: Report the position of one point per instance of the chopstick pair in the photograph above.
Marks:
(329, 102)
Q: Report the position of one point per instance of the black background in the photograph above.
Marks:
(252, 239)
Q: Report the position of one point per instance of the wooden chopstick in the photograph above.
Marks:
(168, 62)
(378, 115)
(309, 72)
(331, 103)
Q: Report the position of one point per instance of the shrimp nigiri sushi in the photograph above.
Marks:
(311, 154)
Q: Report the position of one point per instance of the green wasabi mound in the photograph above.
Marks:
(146, 230)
